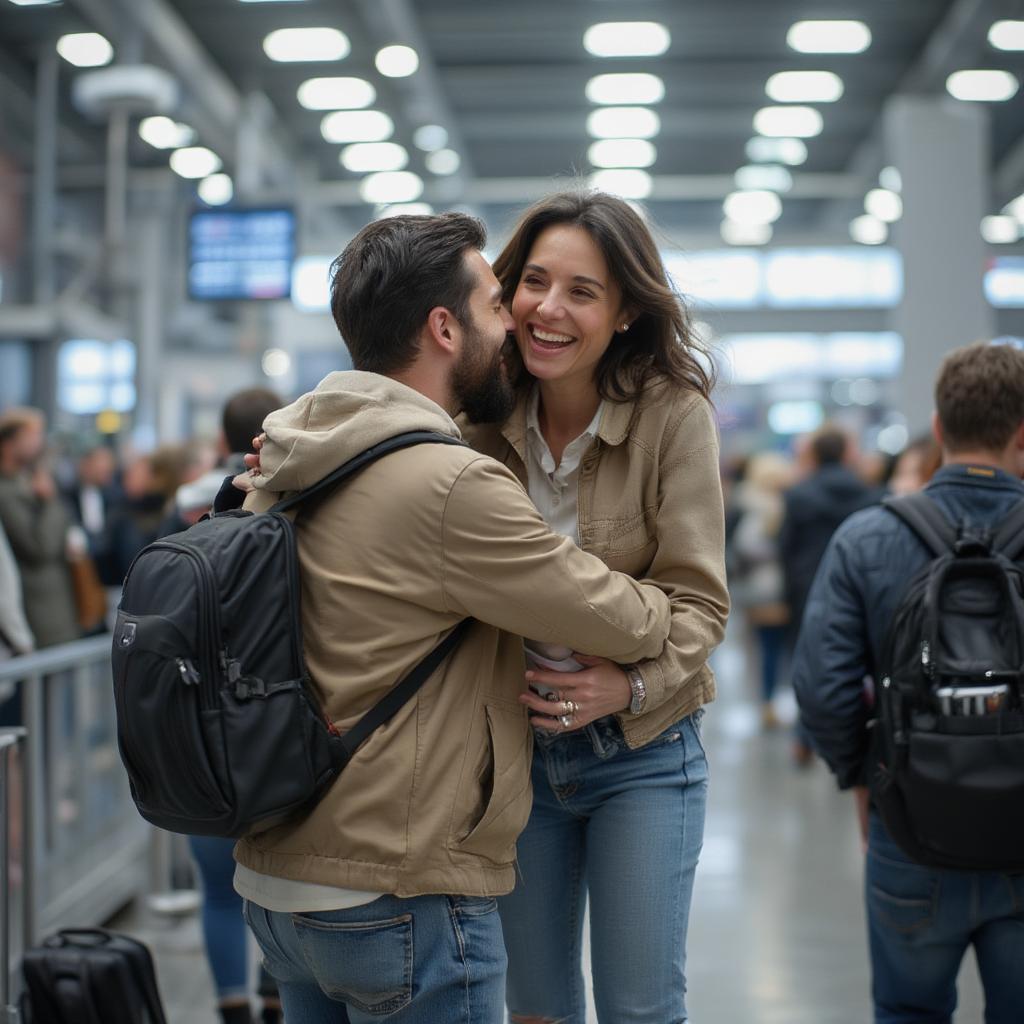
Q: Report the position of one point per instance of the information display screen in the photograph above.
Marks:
(241, 253)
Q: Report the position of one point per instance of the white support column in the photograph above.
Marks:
(940, 147)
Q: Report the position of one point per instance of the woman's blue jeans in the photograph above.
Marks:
(921, 921)
(423, 960)
(623, 828)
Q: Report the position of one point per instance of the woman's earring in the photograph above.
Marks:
(625, 327)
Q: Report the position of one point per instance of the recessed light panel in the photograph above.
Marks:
(85, 49)
(336, 94)
(772, 177)
(781, 151)
(627, 39)
(829, 37)
(801, 122)
(444, 161)
(289, 45)
(804, 87)
(621, 153)
(757, 207)
(391, 187)
(868, 230)
(625, 182)
(745, 234)
(982, 86)
(195, 162)
(364, 157)
(216, 189)
(163, 133)
(1000, 230)
(883, 204)
(397, 61)
(623, 123)
(1007, 35)
(357, 126)
(625, 89)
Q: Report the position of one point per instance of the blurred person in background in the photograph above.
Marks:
(756, 579)
(149, 482)
(37, 526)
(94, 499)
(915, 465)
(814, 508)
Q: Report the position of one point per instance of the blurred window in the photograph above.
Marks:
(96, 375)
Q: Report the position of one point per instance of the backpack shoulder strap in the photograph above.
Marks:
(1009, 535)
(390, 703)
(926, 519)
(358, 462)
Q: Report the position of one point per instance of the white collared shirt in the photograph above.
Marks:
(555, 492)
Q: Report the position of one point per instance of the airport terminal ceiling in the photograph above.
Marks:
(508, 83)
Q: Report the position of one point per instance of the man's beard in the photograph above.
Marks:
(481, 386)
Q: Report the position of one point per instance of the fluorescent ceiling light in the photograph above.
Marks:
(397, 61)
(623, 123)
(868, 230)
(890, 178)
(999, 230)
(621, 153)
(430, 138)
(763, 176)
(804, 87)
(362, 157)
(195, 162)
(803, 122)
(336, 94)
(884, 205)
(444, 161)
(391, 187)
(85, 49)
(982, 86)
(628, 183)
(306, 44)
(755, 207)
(781, 151)
(276, 362)
(616, 89)
(216, 190)
(1007, 35)
(34, 3)
(829, 37)
(163, 133)
(627, 39)
(406, 210)
(357, 126)
(745, 234)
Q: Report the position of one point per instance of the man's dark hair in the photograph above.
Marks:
(979, 397)
(243, 416)
(391, 275)
(829, 445)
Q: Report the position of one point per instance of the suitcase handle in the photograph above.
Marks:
(85, 936)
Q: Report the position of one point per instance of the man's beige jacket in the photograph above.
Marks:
(434, 800)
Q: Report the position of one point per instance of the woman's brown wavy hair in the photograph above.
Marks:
(661, 341)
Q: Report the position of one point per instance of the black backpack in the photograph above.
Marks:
(947, 771)
(218, 724)
(90, 976)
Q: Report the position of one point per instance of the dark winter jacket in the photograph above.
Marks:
(866, 569)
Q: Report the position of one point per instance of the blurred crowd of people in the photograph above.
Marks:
(782, 507)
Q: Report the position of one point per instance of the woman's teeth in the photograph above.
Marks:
(549, 338)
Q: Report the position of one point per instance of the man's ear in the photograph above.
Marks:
(442, 330)
(937, 430)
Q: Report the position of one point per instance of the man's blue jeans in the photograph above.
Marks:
(625, 828)
(425, 960)
(921, 921)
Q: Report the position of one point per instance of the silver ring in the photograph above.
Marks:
(566, 721)
(571, 707)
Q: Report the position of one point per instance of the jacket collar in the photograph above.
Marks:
(613, 428)
(986, 476)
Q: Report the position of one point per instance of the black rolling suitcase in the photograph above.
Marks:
(90, 976)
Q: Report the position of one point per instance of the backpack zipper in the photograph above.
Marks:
(205, 676)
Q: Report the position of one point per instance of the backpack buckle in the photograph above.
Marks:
(249, 686)
(973, 540)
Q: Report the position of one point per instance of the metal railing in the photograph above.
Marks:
(10, 739)
(85, 851)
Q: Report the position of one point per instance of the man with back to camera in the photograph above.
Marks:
(381, 901)
(920, 919)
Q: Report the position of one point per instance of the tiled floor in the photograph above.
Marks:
(777, 931)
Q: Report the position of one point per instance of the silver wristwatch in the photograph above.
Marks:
(637, 688)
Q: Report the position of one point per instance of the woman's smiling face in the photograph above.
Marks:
(566, 307)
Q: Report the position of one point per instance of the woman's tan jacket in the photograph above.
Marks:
(650, 505)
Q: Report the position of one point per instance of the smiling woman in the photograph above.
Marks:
(614, 439)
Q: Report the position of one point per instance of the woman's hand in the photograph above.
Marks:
(599, 688)
(252, 462)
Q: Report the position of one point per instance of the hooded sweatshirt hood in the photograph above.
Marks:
(348, 412)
